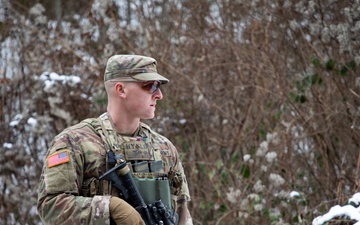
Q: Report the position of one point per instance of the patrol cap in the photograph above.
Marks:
(132, 68)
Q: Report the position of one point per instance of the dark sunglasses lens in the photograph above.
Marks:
(152, 86)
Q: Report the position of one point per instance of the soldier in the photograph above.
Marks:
(70, 191)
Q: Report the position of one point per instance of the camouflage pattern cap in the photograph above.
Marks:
(132, 68)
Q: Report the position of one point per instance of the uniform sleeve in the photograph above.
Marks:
(59, 200)
(184, 195)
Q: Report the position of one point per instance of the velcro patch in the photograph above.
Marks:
(165, 153)
(58, 158)
(137, 150)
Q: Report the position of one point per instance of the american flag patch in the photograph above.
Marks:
(58, 158)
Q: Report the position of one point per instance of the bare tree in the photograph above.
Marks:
(263, 99)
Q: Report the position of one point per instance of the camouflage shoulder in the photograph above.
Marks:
(90, 124)
(93, 122)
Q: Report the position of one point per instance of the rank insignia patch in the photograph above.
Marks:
(58, 158)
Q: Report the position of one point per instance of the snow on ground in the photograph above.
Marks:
(352, 211)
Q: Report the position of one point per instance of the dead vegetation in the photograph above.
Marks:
(263, 98)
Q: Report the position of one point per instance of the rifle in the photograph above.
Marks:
(155, 213)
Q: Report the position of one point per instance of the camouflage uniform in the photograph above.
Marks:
(69, 191)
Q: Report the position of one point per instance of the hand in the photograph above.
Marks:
(184, 215)
(123, 213)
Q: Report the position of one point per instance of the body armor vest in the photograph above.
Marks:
(150, 170)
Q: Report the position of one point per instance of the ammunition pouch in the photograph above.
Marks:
(154, 189)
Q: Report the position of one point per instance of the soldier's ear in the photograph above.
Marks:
(120, 89)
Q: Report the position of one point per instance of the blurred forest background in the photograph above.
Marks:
(263, 102)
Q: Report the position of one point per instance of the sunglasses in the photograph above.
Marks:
(151, 86)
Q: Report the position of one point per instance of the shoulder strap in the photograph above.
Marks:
(102, 186)
(103, 126)
(109, 136)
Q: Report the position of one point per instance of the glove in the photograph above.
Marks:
(123, 213)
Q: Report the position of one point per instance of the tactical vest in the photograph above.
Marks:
(147, 165)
